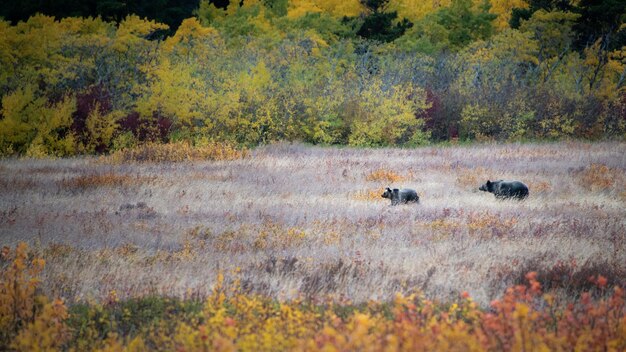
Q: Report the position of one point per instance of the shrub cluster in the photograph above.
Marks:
(320, 73)
(525, 318)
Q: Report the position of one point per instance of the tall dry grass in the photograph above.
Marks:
(299, 221)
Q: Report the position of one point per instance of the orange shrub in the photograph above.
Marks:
(381, 175)
(48, 331)
(524, 319)
(488, 225)
(19, 282)
(599, 177)
(367, 194)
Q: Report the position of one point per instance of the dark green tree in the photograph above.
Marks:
(170, 12)
(519, 14)
(465, 24)
(379, 25)
(601, 19)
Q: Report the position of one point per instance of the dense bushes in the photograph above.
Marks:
(525, 318)
(256, 73)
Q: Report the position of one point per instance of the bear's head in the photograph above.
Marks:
(387, 194)
(487, 187)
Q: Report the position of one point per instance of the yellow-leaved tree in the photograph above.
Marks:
(35, 127)
(28, 321)
(503, 8)
(415, 10)
(388, 116)
(132, 33)
(335, 8)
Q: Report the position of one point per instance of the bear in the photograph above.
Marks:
(506, 189)
(404, 196)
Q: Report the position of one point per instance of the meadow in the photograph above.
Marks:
(291, 247)
(292, 221)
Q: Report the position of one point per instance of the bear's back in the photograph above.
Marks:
(408, 195)
(511, 189)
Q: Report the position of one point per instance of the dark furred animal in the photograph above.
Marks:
(397, 196)
(506, 189)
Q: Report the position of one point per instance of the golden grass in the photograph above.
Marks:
(473, 178)
(382, 175)
(176, 152)
(109, 179)
(294, 202)
(367, 195)
(599, 177)
(538, 187)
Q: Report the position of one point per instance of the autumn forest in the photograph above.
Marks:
(369, 73)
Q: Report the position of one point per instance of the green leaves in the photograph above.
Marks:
(465, 23)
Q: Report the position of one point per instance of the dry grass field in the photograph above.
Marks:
(293, 221)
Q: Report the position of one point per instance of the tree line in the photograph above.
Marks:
(362, 73)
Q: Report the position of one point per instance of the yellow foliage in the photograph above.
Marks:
(252, 323)
(177, 93)
(616, 74)
(506, 51)
(298, 8)
(8, 57)
(416, 9)
(387, 117)
(22, 113)
(252, 74)
(47, 332)
(259, 78)
(40, 122)
(18, 285)
(552, 30)
(477, 122)
(27, 320)
(503, 8)
(133, 31)
(189, 37)
(234, 321)
(604, 72)
(101, 128)
(114, 344)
